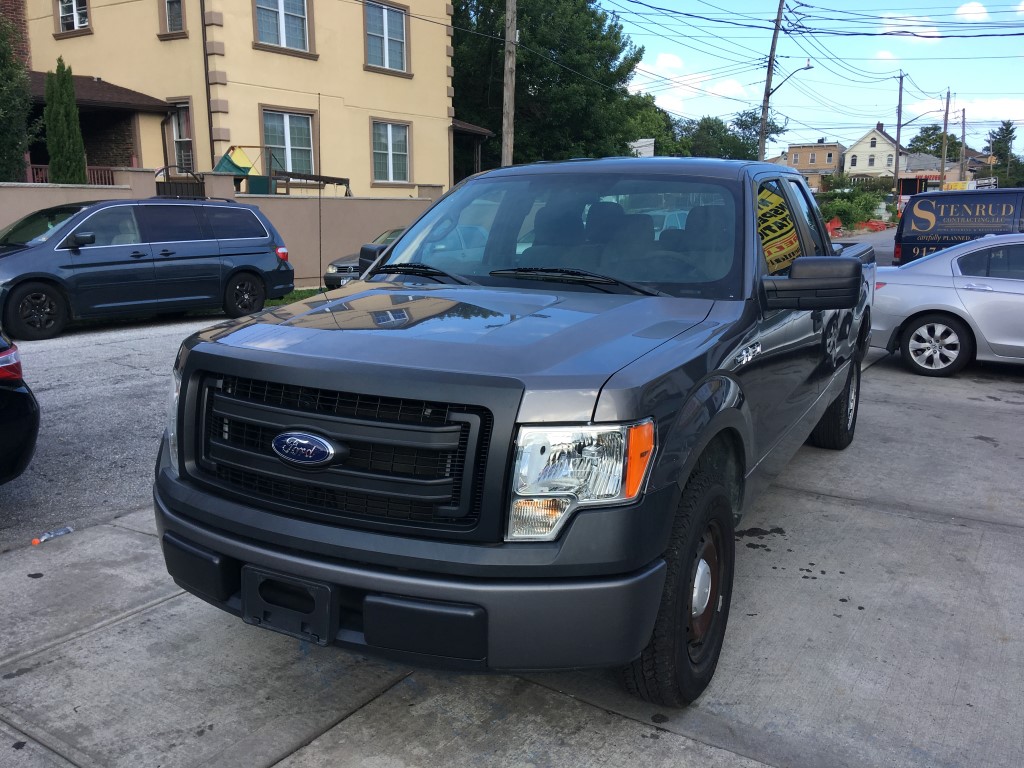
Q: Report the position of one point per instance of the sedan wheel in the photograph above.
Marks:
(937, 345)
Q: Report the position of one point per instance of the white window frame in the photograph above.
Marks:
(853, 161)
(813, 160)
(177, 138)
(288, 140)
(391, 153)
(888, 161)
(796, 158)
(871, 161)
(282, 38)
(79, 8)
(828, 158)
(874, 142)
(383, 10)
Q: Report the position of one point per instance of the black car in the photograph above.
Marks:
(137, 257)
(19, 414)
(346, 267)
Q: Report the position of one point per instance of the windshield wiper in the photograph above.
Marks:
(421, 270)
(574, 276)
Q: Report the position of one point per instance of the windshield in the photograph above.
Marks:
(505, 230)
(38, 227)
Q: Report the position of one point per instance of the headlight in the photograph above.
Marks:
(172, 418)
(332, 268)
(559, 469)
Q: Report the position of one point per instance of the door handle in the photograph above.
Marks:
(136, 254)
(977, 287)
(165, 252)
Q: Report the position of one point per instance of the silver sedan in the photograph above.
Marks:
(956, 305)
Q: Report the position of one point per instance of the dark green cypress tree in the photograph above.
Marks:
(15, 106)
(63, 132)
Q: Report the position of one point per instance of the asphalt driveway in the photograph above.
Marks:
(877, 616)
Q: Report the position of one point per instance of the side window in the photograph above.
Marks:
(1007, 263)
(974, 264)
(113, 226)
(776, 227)
(808, 213)
(231, 223)
(171, 223)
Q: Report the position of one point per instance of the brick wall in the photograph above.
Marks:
(14, 11)
(108, 138)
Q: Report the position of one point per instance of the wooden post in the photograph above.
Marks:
(508, 107)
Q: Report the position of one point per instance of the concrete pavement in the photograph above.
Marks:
(877, 621)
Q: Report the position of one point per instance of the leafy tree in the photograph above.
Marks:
(929, 141)
(1000, 141)
(573, 65)
(15, 107)
(649, 121)
(63, 132)
(747, 126)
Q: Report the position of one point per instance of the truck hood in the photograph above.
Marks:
(580, 337)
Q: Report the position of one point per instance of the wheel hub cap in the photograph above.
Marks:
(701, 589)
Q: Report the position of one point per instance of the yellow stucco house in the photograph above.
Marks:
(336, 88)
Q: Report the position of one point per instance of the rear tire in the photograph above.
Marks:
(680, 659)
(836, 426)
(244, 295)
(937, 345)
(36, 311)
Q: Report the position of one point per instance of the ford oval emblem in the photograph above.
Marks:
(303, 449)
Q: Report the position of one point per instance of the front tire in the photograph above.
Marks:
(937, 345)
(680, 659)
(836, 426)
(244, 295)
(36, 311)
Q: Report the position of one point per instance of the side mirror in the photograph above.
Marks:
(82, 238)
(837, 249)
(816, 282)
(369, 254)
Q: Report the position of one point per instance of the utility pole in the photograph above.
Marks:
(945, 127)
(761, 136)
(508, 105)
(899, 125)
(963, 145)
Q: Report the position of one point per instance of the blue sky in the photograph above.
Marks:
(710, 58)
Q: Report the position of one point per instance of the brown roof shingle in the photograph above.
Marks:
(94, 92)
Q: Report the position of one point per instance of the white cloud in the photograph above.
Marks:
(921, 29)
(887, 55)
(980, 112)
(731, 88)
(1020, 8)
(973, 12)
(668, 62)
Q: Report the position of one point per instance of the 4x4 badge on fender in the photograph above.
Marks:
(303, 449)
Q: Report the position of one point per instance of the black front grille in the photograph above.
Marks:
(401, 462)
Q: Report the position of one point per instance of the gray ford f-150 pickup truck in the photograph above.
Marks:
(528, 453)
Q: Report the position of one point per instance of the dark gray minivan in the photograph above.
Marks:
(137, 257)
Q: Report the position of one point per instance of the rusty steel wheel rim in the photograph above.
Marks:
(705, 593)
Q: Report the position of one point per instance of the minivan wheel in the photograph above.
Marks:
(244, 295)
(680, 659)
(36, 311)
(937, 345)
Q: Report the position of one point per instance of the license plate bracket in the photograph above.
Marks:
(303, 608)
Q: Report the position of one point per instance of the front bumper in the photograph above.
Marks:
(426, 618)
